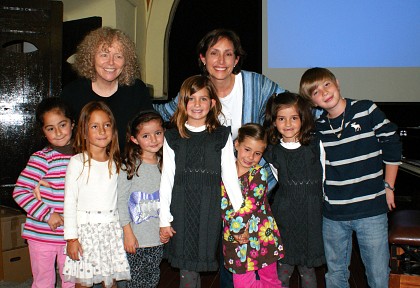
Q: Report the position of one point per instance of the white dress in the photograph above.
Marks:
(91, 216)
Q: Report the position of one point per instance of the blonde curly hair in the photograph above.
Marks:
(102, 38)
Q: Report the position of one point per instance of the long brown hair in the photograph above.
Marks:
(81, 141)
(190, 86)
(286, 100)
(133, 152)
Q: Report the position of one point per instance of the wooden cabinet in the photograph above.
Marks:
(30, 57)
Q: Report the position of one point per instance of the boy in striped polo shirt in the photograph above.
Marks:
(363, 152)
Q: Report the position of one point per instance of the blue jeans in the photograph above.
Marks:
(372, 236)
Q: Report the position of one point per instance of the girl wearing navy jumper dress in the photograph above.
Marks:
(296, 158)
(197, 156)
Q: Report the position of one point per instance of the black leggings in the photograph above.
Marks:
(307, 275)
(144, 267)
(189, 279)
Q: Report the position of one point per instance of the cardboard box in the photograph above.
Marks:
(16, 265)
(11, 228)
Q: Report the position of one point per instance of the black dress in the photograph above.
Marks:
(297, 203)
(125, 103)
(196, 199)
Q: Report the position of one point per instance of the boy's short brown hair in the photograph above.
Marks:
(311, 79)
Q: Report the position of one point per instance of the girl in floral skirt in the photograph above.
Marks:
(95, 250)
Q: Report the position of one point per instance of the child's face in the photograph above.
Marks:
(327, 94)
(149, 138)
(198, 106)
(288, 123)
(99, 130)
(57, 128)
(250, 152)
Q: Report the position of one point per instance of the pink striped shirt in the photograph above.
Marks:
(48, 165)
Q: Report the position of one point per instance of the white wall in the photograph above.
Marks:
(378, 84)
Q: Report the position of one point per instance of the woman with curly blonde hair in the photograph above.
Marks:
(109, 71)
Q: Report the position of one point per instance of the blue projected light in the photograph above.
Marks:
(337, 33)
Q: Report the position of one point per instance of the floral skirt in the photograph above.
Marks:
(104, 259)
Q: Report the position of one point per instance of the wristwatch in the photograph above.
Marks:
(386, 184)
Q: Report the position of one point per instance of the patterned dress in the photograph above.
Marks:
(264, 246)
(91, 216)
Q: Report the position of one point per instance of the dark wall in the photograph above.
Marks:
(73, 33)
(26, 78)
(194, 18)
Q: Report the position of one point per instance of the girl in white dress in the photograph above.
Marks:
(95, 250)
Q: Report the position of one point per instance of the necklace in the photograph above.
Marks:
(341, 126)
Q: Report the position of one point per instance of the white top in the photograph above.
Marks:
(295, 145)
(87, 190)
(232, 107)
(229, 178)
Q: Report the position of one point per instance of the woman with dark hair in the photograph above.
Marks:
(243, 94)
(108, 66)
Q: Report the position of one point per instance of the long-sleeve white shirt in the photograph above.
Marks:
(87, 189)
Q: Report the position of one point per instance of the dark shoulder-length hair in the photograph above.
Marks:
(133, 152)
(52, 104)
(286, 100)
(252, 130)
(189, 87)
(211, 38)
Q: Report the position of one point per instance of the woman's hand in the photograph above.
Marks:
(166, 233)
(74, 249)
(55, 221)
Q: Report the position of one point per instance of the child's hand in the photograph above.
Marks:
(37, 191)
(390, 199)
(166, 233)
(74, 249)
(244, 237)
(130, 242)
(55, 221)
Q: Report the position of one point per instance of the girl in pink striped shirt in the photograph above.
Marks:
(44, 222)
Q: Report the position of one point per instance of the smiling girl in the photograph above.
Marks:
(264, 247)
(44, 220)
(92, 230)
(197, 154)
(296, 158)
